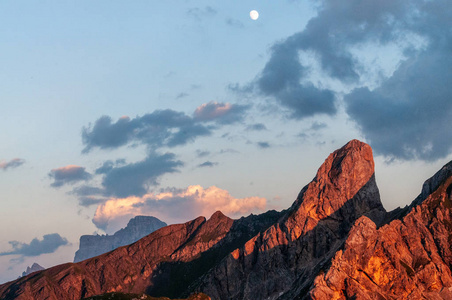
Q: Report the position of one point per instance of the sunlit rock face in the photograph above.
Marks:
(138, 227)
(408, 258)
(283, 260)
(335, 242)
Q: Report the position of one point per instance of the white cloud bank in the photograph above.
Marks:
(175, 206)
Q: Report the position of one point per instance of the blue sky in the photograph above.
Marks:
(178, 108)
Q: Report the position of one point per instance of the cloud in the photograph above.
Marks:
(108, 165)
(201, 153)
(201, 13)
(234, 23)
(135, 178)
(68, 175)
(182, 95)
(89, 195)
(13, 163)
(409, 116)
(263, 145)
(175, 206)
(317, 126)
(207, 164)
(391, 62)
(281, 79)
(223, 113)
(256, 127)
(48, 244)
(160, 128)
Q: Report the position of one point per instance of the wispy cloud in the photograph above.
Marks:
(223, 113)
(234, 23)
(256, 127)
(201, 13)
(68, 175)
(207, 164)
(13, 163)
(36, 247)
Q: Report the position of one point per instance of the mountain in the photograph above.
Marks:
(335, 242)
(409, 258)
(138, 227)
(34, 268)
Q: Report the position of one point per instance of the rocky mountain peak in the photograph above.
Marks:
(345, 172)
(137, 227)
(34, 268)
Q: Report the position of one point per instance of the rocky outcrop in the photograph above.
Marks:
(335, 242)
(409, 258)
(283, 260)
(138, 227)
(34, 268)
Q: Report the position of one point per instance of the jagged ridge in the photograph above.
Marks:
(327, 245)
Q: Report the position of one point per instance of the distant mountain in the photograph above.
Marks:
(34, 268)
(335, 242)
(138, 227)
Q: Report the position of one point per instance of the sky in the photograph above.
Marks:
(176, 109)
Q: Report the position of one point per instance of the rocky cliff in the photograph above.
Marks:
(335, 242)
(283, 260)
(409, 258)
(138, 227)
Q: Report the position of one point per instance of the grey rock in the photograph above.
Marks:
(137, 228)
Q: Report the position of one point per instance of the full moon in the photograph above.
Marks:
(254, 15)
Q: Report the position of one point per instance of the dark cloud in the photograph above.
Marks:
(108, 165)
(281, 78)
(48, 244)
(68, 175)
(263, 145)
(409, 116)
(207, 164)
(256, 127)
(222, 113)
(157, 129)
(135, 178)
(406, 113)
(13, 163)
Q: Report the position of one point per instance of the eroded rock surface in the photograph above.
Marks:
(409, 258)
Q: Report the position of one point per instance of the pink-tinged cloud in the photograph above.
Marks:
(224, 113)
(175, 206)
(69, 174)
(13, 163)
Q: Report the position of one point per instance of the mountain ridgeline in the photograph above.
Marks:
(335, 242)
